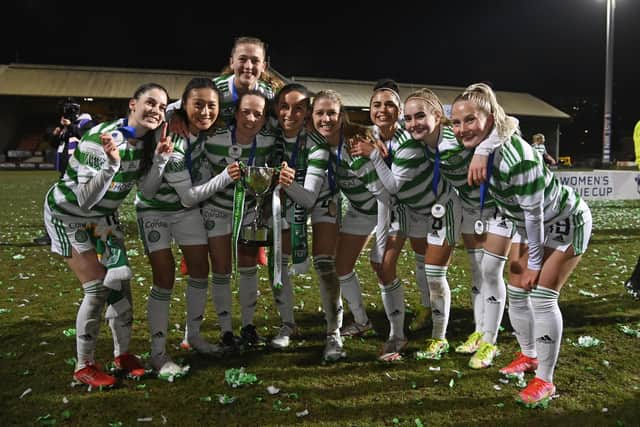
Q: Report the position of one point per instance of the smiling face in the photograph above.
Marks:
(147, 111)
(250, 115)
(248, 63)
(327, 119)
(420, 119)
(384, 111)
(471, 125)
(202, 109)
(292, 109)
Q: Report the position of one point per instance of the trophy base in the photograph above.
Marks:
(255, 236)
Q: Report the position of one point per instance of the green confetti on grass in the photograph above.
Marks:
(627, 330)
(418, 422)
(238, 377)
(224, 399)
(46, 420)
(116, 424)
(277, 406)
(66, 414)
(452, 383)
(71, 332)
(206, 399)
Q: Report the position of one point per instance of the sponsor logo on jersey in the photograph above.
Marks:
(121, 187)
(156, 224)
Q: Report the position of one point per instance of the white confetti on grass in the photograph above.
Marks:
(24, 393)
(586, 341)
(273, 390)
(302, 413)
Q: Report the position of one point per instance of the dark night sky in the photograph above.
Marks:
(553, 49)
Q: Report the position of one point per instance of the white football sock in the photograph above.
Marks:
(350, 289)
(548, 330)
(248, 293)
(329, 292)
(88, 321)
(475, 260)
(158, 316)
(440, 299)
(221, 296)
(393, 301)
(522, 320)
(421, 281)
(284, 296)
(494, 295)
(196, 301)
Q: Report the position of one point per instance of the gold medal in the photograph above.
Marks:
(437, 210)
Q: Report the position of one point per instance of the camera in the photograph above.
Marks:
(70, 110)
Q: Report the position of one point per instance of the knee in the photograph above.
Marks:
(437, 285)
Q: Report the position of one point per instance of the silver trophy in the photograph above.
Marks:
(258, 181)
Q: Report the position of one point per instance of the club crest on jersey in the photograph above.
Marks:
(153, 236)
(81, 236)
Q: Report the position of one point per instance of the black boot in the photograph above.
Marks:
(43, 240)
(633, 284)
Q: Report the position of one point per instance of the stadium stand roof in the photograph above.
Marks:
(103, 82)
(356, 94)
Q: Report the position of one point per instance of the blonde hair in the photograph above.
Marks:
(485, 99)
(349, 129)
(431, 99)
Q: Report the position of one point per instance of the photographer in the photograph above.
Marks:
(67, 135)
(72, 126)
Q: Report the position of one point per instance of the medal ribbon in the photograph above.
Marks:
(238, 213)
(331, 173)
(299, 244)
(484, 187)
(436, 173)
(276, 209)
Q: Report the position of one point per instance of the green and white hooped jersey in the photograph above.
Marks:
(312, 156)
(355, 178)
(217, 147)
(455, 160)
(176, 171)
(224, 83)
(88, 159)
(521, 180)
(413, 164)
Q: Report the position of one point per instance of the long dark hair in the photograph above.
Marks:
(149, 146)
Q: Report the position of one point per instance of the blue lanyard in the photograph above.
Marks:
(232, 88)
(331, 173)
(294, 155)
(188, 160)
(254, 145)
(436, 173)
(484, 187)
(389, 159)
